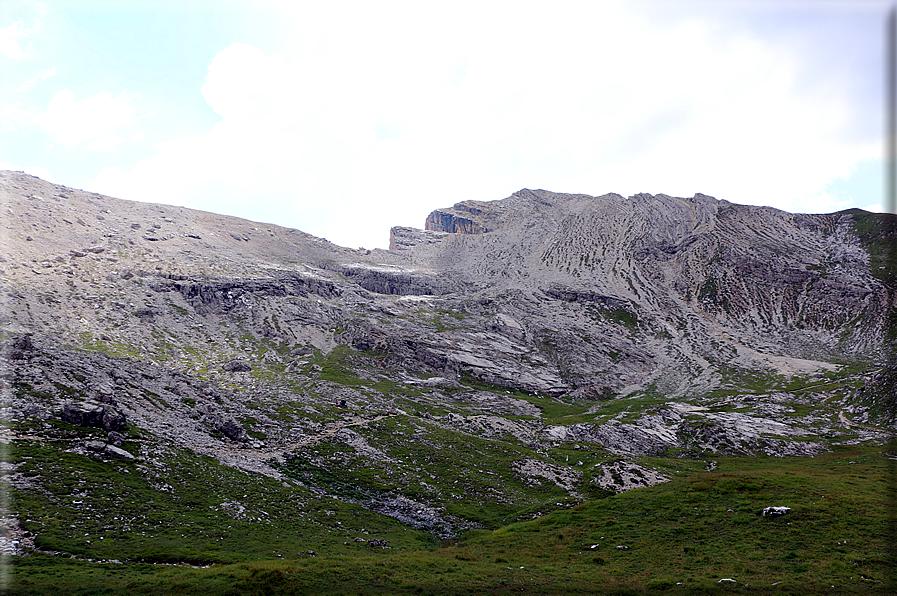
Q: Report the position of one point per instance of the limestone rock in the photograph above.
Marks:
(113, 420)
(90, 413)
(83, 414)
(620, 476)
(110, 450)
(117, 452)
(460, 219)
(20, 348)
(236, 366)
(96, 446)
(402, 238)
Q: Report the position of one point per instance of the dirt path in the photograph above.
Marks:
(845, 420)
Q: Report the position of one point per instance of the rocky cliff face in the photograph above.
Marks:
(463, 218)
(403, 238)
(737, 284)
(626, 327)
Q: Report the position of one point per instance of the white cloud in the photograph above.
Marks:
(37, 78)
(277, 154)
(9, 40)
(477, 101)
(87, 122)
(12, 36)
(14, 116)
(92, 123)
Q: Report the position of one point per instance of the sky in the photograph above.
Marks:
(344, 119)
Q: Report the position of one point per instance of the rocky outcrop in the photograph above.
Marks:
(390, 280)
(94, 414)
(622, 475)
(236, 366)
(20, 348)
(692, 430)
(222, 295)
(562, 476)
(402, 238)
(453, 223)
(584, 297)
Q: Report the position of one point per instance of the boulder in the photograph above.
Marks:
(89, 413)
(117, 452)
(232, 429)
(110, 450)
(226, 425)
(83, 414)
(236, 366)
(21, 348)
(113, 420)
(775, 511)
(146, 315)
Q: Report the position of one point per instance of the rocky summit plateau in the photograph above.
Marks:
(180, 386)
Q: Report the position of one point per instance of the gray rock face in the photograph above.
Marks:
(236, 366)
(749, 268)
(109, 450)
(402, 238)
(117, 452)
(221, 296)
(94, 414)
(451, 222)
(114, 420)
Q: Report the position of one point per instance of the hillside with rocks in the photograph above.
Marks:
(514, 357)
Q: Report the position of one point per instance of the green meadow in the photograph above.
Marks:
(168, 533)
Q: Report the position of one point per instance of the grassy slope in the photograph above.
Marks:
(697, 529)
(191, 510)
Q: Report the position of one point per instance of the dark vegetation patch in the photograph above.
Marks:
(878, 234)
